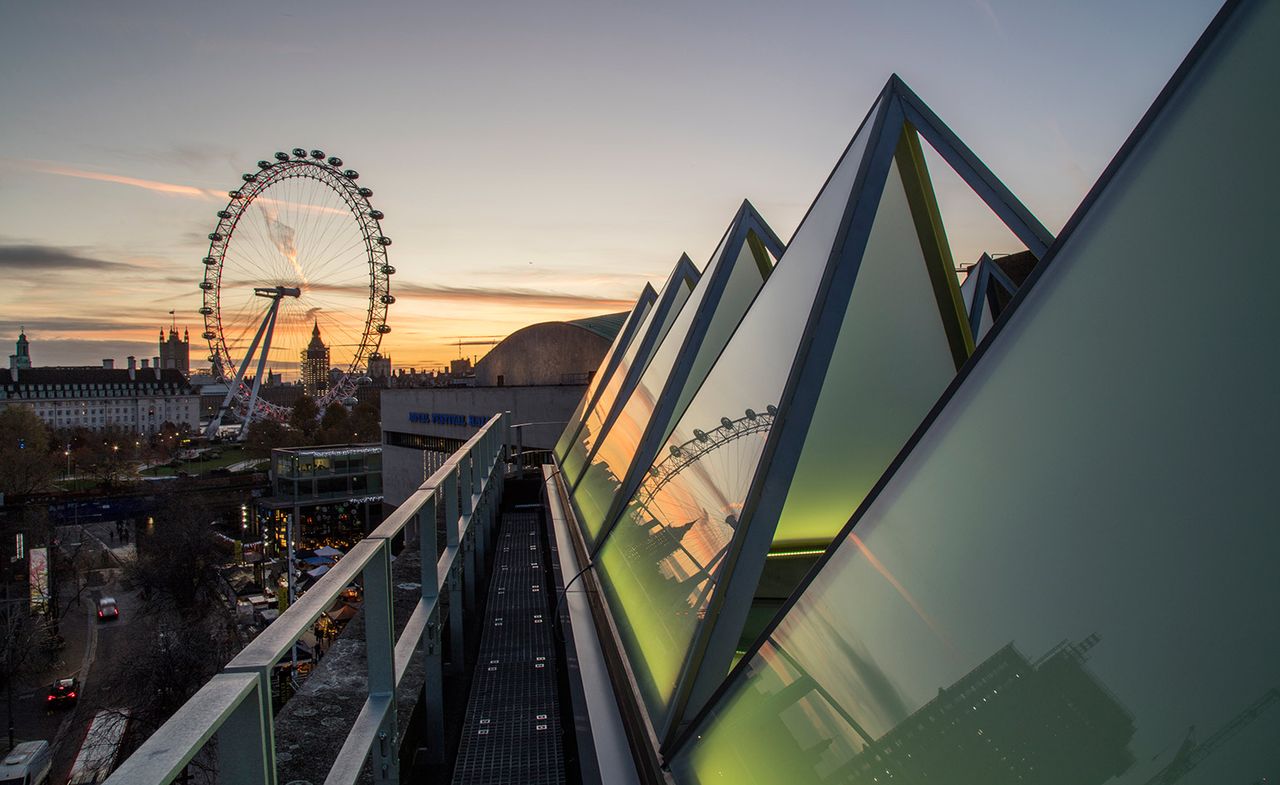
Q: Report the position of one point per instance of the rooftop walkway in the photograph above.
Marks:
(511, 732)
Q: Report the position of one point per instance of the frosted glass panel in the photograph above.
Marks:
(609, 466)
(626, 336)
(891, 362)
(1072, 577)
(631, 365)
(660, 563)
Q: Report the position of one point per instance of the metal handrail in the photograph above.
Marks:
(235, 705)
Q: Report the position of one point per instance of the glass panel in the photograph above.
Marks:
(571, 429)
(624, 376)
(660, 563)
(600, 482)
(890, 363)
(1072, 577)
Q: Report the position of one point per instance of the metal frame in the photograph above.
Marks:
(638, 313)
(235, 706)
(683, 275)
(1144, 127)
(747, 225)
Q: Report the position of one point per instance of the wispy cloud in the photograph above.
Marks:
(71, 324)
(35, 259)
(155, 186)
(985, 7)
(527, 298)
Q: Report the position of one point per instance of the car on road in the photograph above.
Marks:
(107, 609)
(62, 692)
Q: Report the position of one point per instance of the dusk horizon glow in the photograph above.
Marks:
(533, 164)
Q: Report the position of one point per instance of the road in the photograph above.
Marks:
(94, 650)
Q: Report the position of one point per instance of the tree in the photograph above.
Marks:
(335, 427)
(265, 435)
(366, 422)
(26, 462)
(177, 559)
(304, 415)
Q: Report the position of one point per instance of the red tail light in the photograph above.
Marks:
(71, 694)
(50, 697)
(99, 614)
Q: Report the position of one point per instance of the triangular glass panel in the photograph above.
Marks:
(729, 284)
(607, 366)
(1065, 600)
(635, 358)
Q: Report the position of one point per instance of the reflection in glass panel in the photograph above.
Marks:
(625, 336)
(748, 268)
(633, 363)
(576, 454)
(660, 563)
(1071, 578)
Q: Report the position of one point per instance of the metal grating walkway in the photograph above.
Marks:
(511, 733)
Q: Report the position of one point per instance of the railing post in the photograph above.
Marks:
(457, 652)
(380, 645)
(433, 684)
(451, 508)
(248, 735)
(245, 741)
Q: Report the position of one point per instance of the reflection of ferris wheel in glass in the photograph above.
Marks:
(298, 247)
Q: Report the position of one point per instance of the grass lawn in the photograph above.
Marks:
(230, 455)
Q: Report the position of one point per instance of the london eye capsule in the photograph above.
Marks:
(351, 174)
(206, 310)
(335, 162)
(282, 156)
(384, 241)
(206, 285)
(264, 164)
(209, 335)
(234, 194)
(366, 192)
(249, 177)
(388, 299)
(318, 155)
(699, 434)
(298, 152)
(376, 215)
(384, 328)
(214, 236)
(388, 270)
(224, 214)
(725, 422)
(209, 261)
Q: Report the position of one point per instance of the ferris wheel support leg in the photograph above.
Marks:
(235, 382)
(270, 323)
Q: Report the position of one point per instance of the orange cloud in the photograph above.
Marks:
(155, 186)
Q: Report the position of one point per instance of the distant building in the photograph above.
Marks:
(139, 399)
(379, 367)
(315, 365)
(23, 358)
(538, 373)
(174, 352)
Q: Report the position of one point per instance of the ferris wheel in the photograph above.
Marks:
(297, 255)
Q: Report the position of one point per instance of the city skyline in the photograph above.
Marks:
(532, 165)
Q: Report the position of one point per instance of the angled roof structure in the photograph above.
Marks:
(848, 344)
(635, 358)
(730, 282)
(607, 366)
(1122, 523)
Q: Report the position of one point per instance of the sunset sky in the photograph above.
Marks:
(535, 161)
